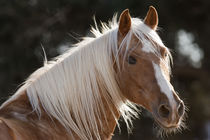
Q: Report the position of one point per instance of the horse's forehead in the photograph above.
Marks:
(146, 45)
(143, 44)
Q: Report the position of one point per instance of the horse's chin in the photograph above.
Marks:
(168, 129)
(164, 129)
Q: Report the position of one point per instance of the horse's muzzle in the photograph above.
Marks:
(169, 116)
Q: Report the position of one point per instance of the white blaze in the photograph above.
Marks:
(163, 83)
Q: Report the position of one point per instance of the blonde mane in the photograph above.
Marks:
(71, 87)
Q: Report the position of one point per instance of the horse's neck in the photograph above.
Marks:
(108, 130)
(18, 115)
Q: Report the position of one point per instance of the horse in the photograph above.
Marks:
(82, 93)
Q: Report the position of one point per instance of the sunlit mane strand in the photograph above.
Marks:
(71, 87)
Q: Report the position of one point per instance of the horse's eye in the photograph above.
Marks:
(166, 54)
(132, 60)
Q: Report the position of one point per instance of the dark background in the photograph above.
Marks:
(26, 25)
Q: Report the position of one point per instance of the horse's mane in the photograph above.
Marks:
(70, 88)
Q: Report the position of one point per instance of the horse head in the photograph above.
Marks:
(144, 77)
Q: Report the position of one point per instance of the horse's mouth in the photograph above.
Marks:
(166, 127)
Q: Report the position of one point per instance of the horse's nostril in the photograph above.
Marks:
(164, 111)
(181, 109)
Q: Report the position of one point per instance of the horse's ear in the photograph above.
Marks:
(151, 18)
(124, 22)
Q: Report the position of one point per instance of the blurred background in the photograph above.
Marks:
(26, 25)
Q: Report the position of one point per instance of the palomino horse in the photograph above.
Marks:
(82, 93)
